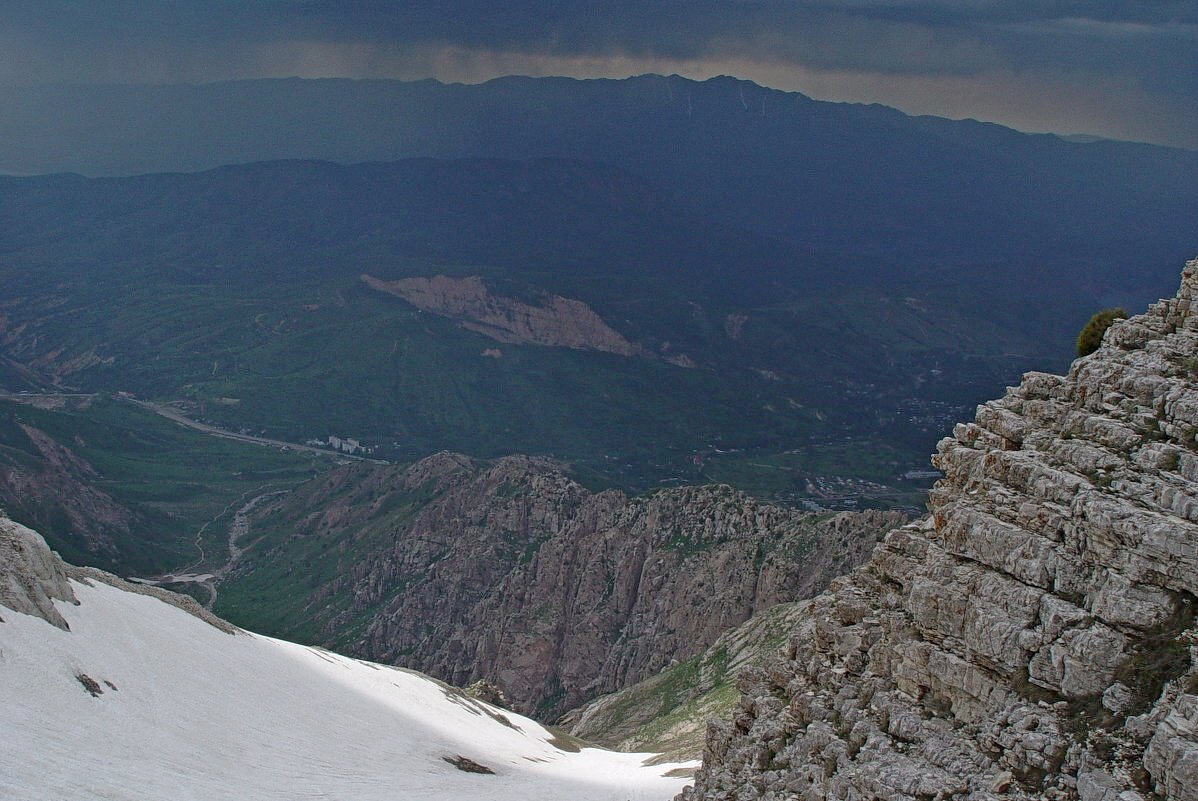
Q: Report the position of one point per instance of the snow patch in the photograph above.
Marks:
(202, 715)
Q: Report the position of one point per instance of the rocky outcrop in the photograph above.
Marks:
(555, 321)
(31, 576)
(1034, 637)
(512, 572)
(88, 575)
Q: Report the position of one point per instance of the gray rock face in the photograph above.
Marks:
(31, 576)
(509, 571)
(1172, 755)
(998, 647)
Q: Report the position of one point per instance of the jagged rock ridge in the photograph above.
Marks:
(510, 571)
(1033, 637)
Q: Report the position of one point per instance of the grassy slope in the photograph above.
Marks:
(314, 358)
(173, 479)
(275, 597)
(668, 713)
(335, 358)
(243, 283)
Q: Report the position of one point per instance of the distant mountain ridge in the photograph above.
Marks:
(760, 158)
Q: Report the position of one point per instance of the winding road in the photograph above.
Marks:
(174, 415)
(238, 528)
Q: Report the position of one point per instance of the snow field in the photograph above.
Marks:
(199, 714)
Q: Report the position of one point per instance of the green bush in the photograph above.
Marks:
(1091, 336)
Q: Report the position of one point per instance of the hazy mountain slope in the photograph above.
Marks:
(786, 272)
(512, 572)
(44, 483)
(241, 290)
(135, 698)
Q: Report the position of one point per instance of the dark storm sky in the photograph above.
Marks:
(1128, 70)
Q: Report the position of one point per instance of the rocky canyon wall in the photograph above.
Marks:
(510, 571)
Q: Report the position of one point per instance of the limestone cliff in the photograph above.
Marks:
(1034, 637)
(31, 576)
(512, 572)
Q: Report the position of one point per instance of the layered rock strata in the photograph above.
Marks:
(31, 576)
(512, 572)
(1034, 636)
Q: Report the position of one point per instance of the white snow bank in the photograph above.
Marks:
(188, 712)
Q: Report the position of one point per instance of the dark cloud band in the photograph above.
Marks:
(1145, 47)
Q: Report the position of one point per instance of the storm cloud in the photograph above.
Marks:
(1127, 70)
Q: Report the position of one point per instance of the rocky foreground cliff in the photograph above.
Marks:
(512, 572)
(1034, 637)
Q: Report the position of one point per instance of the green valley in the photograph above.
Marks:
(117, 486)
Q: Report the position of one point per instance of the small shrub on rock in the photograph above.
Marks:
(1091, 336)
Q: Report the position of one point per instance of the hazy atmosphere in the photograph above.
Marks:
(730, 400)
(1122, 70)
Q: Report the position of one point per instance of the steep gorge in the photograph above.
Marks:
(512, 572)
(1034, 637)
